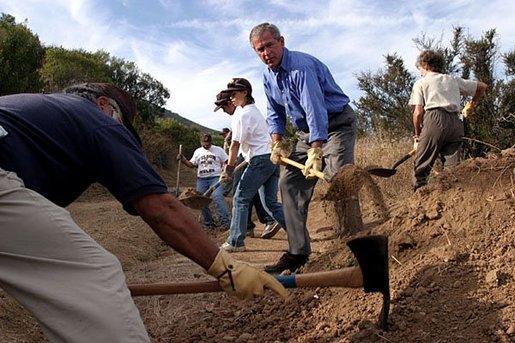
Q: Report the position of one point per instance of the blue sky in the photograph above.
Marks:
(195, 47)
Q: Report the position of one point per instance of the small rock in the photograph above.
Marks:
(492, 277)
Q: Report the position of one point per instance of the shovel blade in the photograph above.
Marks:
(382, 172)
(194, 199)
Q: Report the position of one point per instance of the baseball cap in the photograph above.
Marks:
(222, 99)
(238, 84)
(123, 99)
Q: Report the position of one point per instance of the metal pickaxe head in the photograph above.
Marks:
(372, 255)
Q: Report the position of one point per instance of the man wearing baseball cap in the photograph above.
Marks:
(53, 148)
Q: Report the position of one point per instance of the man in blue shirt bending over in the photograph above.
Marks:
(301, 89)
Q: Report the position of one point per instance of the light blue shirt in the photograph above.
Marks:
(303, 89)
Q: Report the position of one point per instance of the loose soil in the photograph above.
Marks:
(452, 258)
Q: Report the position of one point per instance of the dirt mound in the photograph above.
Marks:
(452, 247)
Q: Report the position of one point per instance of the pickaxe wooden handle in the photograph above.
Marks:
(317, 173)
(372, 274)
(347, 277)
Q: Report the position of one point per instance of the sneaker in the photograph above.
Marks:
(230, 248)
(250, 233)
(287, 262)
(270, 230)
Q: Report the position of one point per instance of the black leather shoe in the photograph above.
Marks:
(287, 262)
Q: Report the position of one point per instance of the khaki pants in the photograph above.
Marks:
(74, 287)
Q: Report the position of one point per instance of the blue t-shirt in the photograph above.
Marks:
(59, 144)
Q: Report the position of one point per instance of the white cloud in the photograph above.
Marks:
(194, 47)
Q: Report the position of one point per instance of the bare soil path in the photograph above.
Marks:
(452, 248)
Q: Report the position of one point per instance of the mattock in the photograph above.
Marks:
(372, 274)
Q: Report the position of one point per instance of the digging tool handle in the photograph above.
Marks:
(178, 172)
(215, 186)
(404, 159)
(317, 173)
(346, 277)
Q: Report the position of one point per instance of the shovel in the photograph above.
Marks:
(196, 200)
(385, 172)
(178, 173)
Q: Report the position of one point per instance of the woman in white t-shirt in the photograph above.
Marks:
(208, 159)
(250, 138)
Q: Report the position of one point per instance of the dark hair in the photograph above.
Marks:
(125, 102)
(432, 60)
(241, 84)
(258, 30)
(206, 137)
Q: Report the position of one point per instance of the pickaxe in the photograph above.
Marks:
(372, 274)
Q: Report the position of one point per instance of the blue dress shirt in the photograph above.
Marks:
(303, 89)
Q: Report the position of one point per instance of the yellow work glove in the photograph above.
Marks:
(468, 109)
(278, 149)
(415, 142)
(242, 281)
(314, 162)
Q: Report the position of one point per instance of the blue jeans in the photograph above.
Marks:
(203, 184)
(259, 172)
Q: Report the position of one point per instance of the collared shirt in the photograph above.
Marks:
(436, 90)
(302, 89)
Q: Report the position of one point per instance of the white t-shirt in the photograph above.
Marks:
(249, 128)
(441, 90)
(209, 161)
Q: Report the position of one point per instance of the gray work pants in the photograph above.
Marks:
(441, 135)
(296, 190)
(75, 288)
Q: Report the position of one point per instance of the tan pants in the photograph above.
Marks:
(74, 287)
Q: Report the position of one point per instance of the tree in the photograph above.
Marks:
(63, 68)
(21, 56)
(149, 93)
(384, 106)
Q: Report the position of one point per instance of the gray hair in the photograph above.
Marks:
(258, 31)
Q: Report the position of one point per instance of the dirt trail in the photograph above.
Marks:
(452, 247)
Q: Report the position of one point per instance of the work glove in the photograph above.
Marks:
(278, 149)
(227, 175)
(242, 281)
(314, 162)
(415, 142)
(468, 109)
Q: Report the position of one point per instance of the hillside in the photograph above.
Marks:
(188, 123)
(452, 249)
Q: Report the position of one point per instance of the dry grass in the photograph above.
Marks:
(383, 152)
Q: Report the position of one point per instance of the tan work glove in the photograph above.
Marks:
(468, 109)
(242, 281)
(415, 142)
(278, 149)
(227, 175)
(314, 161)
